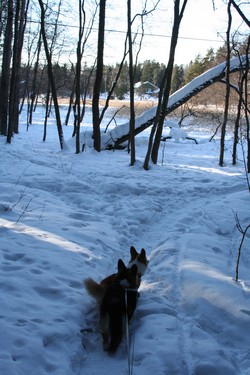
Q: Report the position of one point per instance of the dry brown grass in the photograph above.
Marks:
(120, 105)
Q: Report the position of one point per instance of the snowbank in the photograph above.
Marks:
(65, 217)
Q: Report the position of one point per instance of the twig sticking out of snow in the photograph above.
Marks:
(244, 232)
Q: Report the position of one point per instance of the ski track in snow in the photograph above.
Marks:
(104, 218)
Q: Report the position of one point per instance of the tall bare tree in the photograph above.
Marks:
(132, 69)
(6, 63)
(246, 107)
(243, 95)
(20, 24)
(3, 9)
(83, 36)
(241, 13)
(51, 75)
(227, 95)
(131, 87)
(77, 83)
(156, 133)
(98, 78)
(238, 117)
(34, 79)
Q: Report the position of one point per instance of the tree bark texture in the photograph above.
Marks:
(51, 76)
(131, 88)
(166, 82)
(98, 78)
(20, 23)
(226, 108)
(6, 62)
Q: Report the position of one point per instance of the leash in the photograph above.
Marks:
(130, 367)
(127, 332)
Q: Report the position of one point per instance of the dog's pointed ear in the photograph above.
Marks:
(121, 266)
(142, 256)
(134, 270)
(133, 253)
(143, 253)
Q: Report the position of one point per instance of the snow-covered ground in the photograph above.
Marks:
(65, 217)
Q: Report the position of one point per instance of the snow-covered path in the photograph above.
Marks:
(77, 214)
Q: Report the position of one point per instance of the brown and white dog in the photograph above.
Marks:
(113, 308)
(139, 259)
(110, 294)
(98, 290)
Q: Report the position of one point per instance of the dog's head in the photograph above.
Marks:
(127, 277)
(138, 259)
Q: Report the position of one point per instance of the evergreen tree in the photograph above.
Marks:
(209, 59)
(195, 69)
(178, 78)
(123, 83)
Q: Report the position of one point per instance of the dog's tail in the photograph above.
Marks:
(94, 289)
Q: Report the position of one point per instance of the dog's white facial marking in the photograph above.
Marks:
(141, 267)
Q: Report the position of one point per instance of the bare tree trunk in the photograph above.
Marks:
(245, 19)
(144, 13)
(243, 232)
(246, 106)
(3, 11)
(47, 111)
(51, 76)
(226, 108)
(131, 88)
(34, 79)
(82, 40)
(114, 83)
(243, 87)
(71, 100)
(5, 79)
(165, 87)
(98, 78)
(77, 107)
(237, 120)
(20, 23)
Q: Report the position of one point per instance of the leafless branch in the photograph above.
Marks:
(241, 13)
(243, 232)
(113, 117)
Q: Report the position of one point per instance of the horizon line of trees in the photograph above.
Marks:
(147, 71)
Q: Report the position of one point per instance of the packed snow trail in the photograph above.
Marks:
(65, 217)
(161, 319)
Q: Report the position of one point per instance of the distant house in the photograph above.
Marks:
(146, 90)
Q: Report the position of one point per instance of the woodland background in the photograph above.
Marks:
(44, 62)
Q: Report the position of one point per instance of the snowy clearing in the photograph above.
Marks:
(65, 217)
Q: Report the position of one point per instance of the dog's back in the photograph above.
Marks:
(113, 308)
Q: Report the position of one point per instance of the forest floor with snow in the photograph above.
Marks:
(65, 217)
